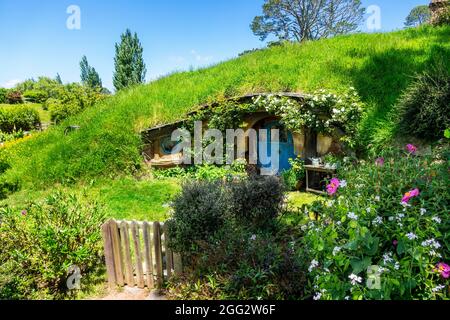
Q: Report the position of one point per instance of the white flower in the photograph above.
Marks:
(314, 264)
(423, 211)
(368, 210)
(387, 257)
(377, 198)
(317, 296)
(411, 236)
(339, 223)
(438, 288)
(436, 219)
(253, 237)
(304, 227)
(336, 250)
(397, 266)
(347, 298)
(377, 221)
(391, 218)
(431, 243)
(352, 215)
(330, 203)
(343, 183)
(355, 279)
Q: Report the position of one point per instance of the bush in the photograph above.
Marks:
(3, 93)
(41, 242)
(198, 213)
(371, 222)
(22, 118)
(35, 96)
(295, 175)
(424, 107)
(14, 97)
(256, 202)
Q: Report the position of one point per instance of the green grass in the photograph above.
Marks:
(123, 198)
(379, 66)
(298, 199)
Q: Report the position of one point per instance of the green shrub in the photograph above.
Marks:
(366, 225)
(424, 107)
(14, 97)
(3, 93)
(255, 202)
(21, 118)
(35, 96)
(198, 213)
(295, 175)
(42, 241)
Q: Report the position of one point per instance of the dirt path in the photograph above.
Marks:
(133, 294)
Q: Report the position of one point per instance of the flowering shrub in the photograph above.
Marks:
(321, 111)
(384, 234)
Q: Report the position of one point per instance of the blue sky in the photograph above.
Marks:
(176, 34)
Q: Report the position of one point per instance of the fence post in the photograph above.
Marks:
(109, 255)
(148, 255)
(129, 273)
(118, 262)
(137, 251)
(158, 254)
(169, 257)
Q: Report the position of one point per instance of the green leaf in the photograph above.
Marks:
(360, 265)
(401, 247)
(447, 133)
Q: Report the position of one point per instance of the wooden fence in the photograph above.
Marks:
(137, 254)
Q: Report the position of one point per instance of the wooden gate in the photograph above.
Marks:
(137, 254)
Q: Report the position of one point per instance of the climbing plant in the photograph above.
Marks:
(322, 111)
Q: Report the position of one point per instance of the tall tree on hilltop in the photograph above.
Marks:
(418, 16)
(301, 20)
(58, 79)
(89, 76)
(129, 63)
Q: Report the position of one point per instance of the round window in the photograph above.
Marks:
(167, 145)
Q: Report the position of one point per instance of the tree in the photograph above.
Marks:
(419, 15)
(129, 63)
(89, 76)
(302, 20)
(58, 79)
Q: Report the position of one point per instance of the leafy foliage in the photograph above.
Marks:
(129, 63)
(366, 225)
(89, 76)
(14, 97)
(42, 241)
(21, 118)
(302, 20)
(418, 16)
(3, 93)
(424, 108)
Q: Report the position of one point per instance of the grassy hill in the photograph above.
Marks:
(379, 66)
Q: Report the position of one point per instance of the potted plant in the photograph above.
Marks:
(331, 161)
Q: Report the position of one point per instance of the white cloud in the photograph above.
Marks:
(11, 83)
(200, 58)
(177, 59)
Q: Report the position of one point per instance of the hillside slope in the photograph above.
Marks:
(379, 66)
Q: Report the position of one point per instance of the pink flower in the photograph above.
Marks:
(409, 195)
(24, 212)
(379, 162)
(443, 269)
(395, 243)
(412, 149)
(333, 186)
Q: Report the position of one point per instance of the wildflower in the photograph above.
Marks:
(431, 243)
(355, 279)
(368, 210)
(387, 257)
(395, 243)
(352, 215)
(24, 212)
(379, 162)
(438, 288)
(347, 298)
(411, 236)
(377, 221)
(377, 198)
(314, 264)
(333, 186)
(412, 149)
(336, 250)
(317, 296)
(391, 218)
(409, 195)
(330, 203)
(253, 237)
(423, 211)
(396, 266)
(343, 183)
(443, 269)
(436, 219)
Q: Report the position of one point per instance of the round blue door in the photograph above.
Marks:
(269, 147)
